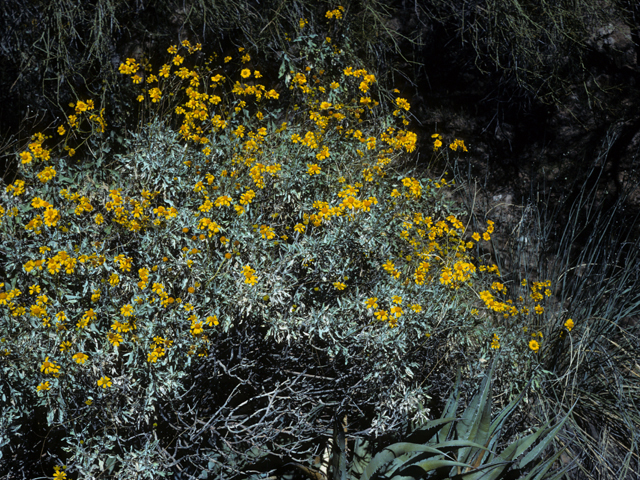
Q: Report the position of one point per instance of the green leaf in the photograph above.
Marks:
(361, 457)
(498, 422)
(338, 455)
(539, 472)
(391, 452)
(430, 465)
(475, 423)
(450, 409)
(533, 454)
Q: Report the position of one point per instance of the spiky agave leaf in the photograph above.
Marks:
(460, 448)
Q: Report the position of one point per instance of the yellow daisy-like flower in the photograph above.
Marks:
(299, 227)
(533, 345)
(44, 386)
(569, 324)
(372, 302)
(49, 367)
(245, 73)
(313, 169)
(80, 357)
(381, 315)
(155, 94)
(59, 473)
(105, 382)
(339, 285)
(26, 157)
(114, 338)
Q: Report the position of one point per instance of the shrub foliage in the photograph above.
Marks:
(257, 260)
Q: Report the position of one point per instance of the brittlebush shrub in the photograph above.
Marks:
(273, 235)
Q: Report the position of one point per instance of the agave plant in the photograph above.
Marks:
(461, 448)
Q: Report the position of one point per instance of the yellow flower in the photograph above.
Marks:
(539, 309)
(223, 200)
(44, 386)
(299, 227)
(104, 382)
(245, 73)
(372, 302)
(381, 315)
(49, 367)
(196, 328)
(61, 130)
(313, 169)
(59, 473)
(80, 357)
(114, 338)
(339, 285)
(569, 324)
(25, 157)
(486, 236)
(402, 103)
(47, 174)
(533, 345)
(267, 232)
(155, 94)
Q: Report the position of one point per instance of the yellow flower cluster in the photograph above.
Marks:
(458, 144)
(414, 187)
(158, 349)
(17, 188)
(337, 13)
(249, 275)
